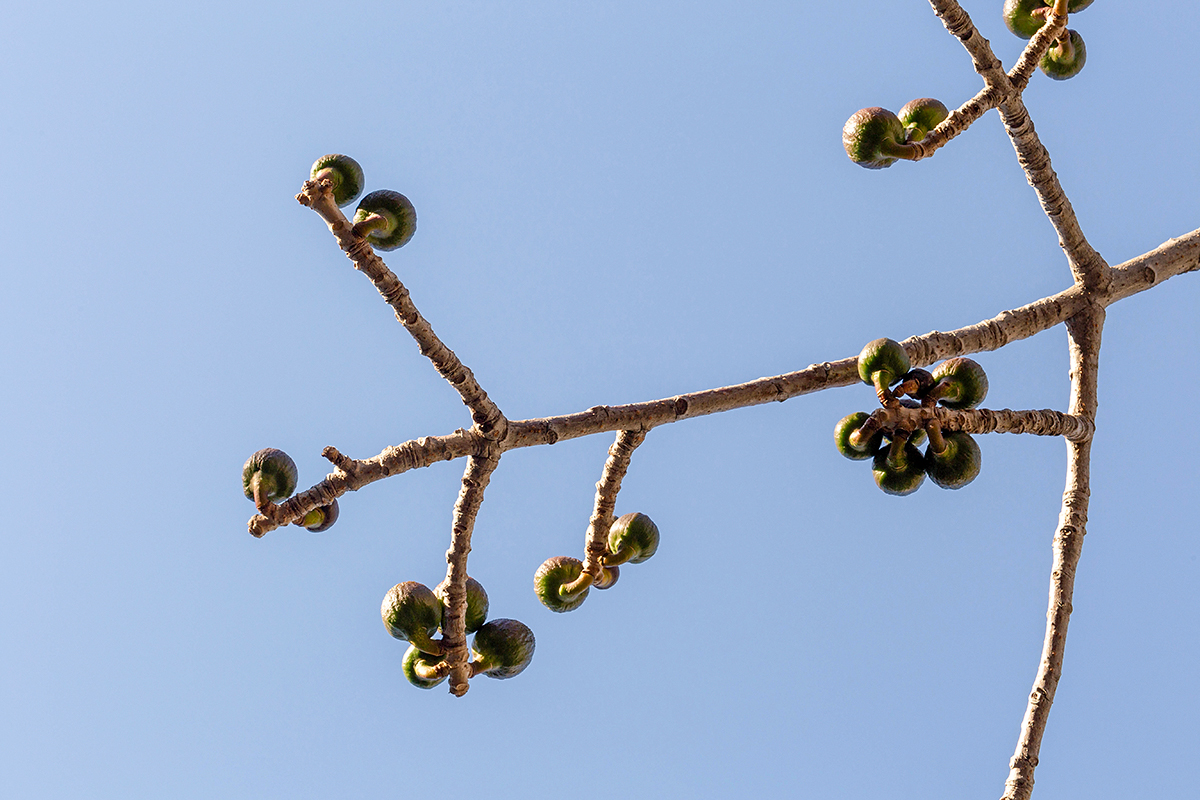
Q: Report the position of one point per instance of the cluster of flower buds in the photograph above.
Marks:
(385, 218)
(1067, 55)
(413, 613)
(875, 137)
(952, 459)
(270, 475)
(561, 582)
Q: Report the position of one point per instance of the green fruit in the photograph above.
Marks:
(413, 613)
(920, 116)
(882, 362)
(870, 137)
(1078, 5)
(902, 474)
(344, 173)
(268, 475)
(386, 218)
(550, 578)
(846, 426)
(962, 383)
(503, 648)
(417, 667)
(1020, 19)
(320, 519)
(1065, 58)
(632, 538)
(477, 603)
(957, 465)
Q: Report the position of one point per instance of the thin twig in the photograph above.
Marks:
(620, 453)
(318, 196)
(454, 631)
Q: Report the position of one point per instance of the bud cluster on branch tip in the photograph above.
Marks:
(1067, 55)
(875, 137)
(952, 459)
(270, 475)
(413, 613)
(384, 218)
(561, 583)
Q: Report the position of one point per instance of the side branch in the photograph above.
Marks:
(619, 456)
(318, 196)
(1044, 422)
(454, 633)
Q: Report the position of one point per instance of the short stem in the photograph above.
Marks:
(572, 590)
(261, 500)
(862, 434)
(882, 379)
(426, 645)
(897, 459)
(430, 672)
(372, 222)
(898, 150)
(1065, 47)
(936, 443)
(618, 558)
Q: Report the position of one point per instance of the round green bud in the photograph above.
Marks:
(884, 356)
(846, 426)
(961, 383)
(320, 519)
(413, 613)
(503, 648)
(1020, 18)
(868, 136)
(957, 465)
(920, 116)
(1065, 58)
(477, 603)
(901, 475)
(550, 578)
(343, 172)
(632, 538)
(418, 665)
(268, 475)
(387, 219)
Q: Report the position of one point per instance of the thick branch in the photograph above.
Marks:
(984, 420)
(318, 196)
(1084, 331)
(1174, 257)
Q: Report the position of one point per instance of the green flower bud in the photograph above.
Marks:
(871, 137)
(632, 538)
(344, 173)
(1065, 58)
(920, 116)
(552, 577)
(957, 465)
(320, 519)
(267, 476)
(961, 383)
(846, 427)
(502, 648)
(386, 218)
(413, 613)
(899, 470)
(477, 603)
(418, 668)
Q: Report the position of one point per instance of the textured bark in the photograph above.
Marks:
(1174, 257)
(619, 456)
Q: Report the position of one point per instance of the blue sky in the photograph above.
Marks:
(616, 203)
